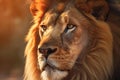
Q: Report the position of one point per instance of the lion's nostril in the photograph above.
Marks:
(51, 50)
(43, 51)
(47, 51)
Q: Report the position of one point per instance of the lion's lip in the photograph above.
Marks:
(43, 63)
(51, 66)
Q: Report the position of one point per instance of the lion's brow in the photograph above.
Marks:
(51, 18)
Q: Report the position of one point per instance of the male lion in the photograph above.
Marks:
(70, 41)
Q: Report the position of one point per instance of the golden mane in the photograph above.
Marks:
(91, 6)
(97, 64)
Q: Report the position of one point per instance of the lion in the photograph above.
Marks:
(70, 40)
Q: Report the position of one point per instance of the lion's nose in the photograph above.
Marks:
(47, 51)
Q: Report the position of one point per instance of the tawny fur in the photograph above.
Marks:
(96, 64)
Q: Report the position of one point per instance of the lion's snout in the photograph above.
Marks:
(46, 51)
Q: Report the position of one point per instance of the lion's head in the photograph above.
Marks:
(66, 43)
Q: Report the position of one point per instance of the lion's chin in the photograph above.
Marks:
(50, 73)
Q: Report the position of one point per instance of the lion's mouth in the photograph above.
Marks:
(49, 65)
(46, 64)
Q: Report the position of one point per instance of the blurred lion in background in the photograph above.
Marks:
(71, 40)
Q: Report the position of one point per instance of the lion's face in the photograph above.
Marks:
(62, 38)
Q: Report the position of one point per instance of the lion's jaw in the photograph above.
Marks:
(58, 64)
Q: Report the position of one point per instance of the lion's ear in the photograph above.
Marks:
(98, 8)
(33, 9)
(40, 6)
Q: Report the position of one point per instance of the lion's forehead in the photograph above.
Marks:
(51, 18)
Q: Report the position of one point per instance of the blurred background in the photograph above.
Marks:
(15, 20)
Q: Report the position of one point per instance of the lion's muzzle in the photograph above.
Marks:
(46, 51)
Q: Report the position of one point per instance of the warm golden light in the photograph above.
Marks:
(14, 18)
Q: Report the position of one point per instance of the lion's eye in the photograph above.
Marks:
(70, 28)
(44, 28)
